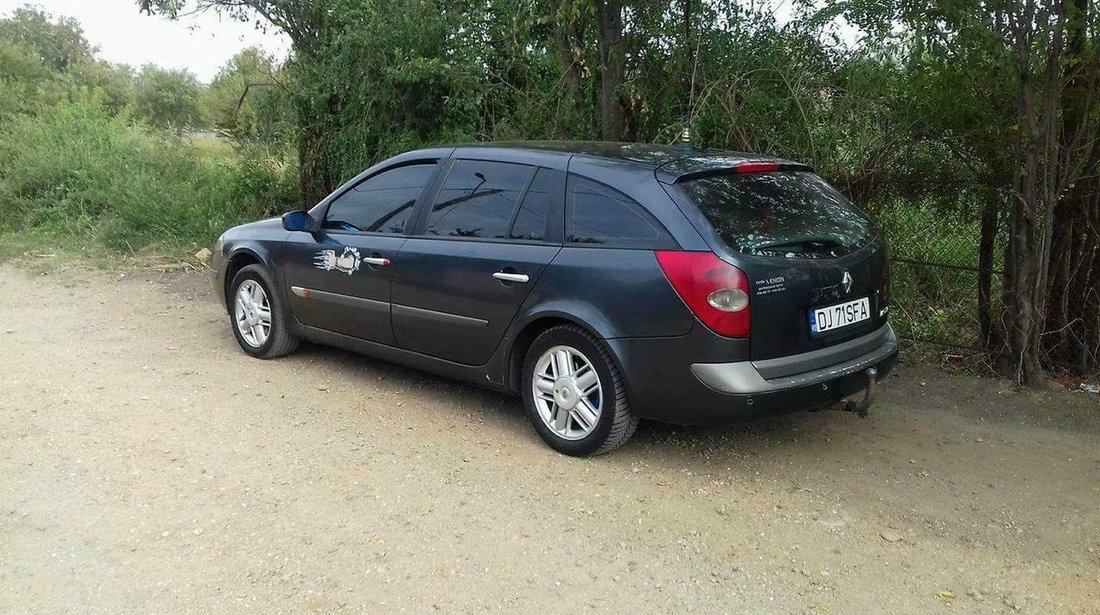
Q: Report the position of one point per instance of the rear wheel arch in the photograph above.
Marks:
(531, 330)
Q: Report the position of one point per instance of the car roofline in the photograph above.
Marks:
(670, 163)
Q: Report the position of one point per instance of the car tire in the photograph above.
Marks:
(254, 337)
(567, 370)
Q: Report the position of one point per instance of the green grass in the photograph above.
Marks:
(76, 173)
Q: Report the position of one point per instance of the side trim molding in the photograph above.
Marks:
(441, 317)
(347, 300)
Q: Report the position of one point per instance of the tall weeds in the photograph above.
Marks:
(77, 170)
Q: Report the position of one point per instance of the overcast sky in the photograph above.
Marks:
(124, 35)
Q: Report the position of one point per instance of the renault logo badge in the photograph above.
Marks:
(846, 282)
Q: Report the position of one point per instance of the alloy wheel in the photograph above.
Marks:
(252, 312)
(567, 392)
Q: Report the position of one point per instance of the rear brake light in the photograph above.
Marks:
(756, 167)
(714, 290)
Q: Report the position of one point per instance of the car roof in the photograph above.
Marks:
(670, 162)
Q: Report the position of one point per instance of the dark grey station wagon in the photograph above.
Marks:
(602, 282)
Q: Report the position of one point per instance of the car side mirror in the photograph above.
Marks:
(299, 221)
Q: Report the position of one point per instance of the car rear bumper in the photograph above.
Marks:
(707, 392)
(795, 371)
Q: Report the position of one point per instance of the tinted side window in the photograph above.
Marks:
(533, 211)
(599, 214)
(478, 198)
(380, 204)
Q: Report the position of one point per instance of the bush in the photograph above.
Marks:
(77, 170)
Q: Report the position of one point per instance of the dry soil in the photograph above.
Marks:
(147, 465)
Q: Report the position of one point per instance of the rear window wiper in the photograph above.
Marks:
(801, 242)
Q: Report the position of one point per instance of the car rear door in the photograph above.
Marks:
(480, 248)
(817, 267)
(339, 278)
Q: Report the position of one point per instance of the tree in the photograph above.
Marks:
(612, 45)
(43, 59)
(24, 81)
(1073, 304)
(1040, 154)
(232, 99)
(114, 82)
(167, 98)
(59, 44)
(305, 22)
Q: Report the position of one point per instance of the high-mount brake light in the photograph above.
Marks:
(756, 167)
(714, 290)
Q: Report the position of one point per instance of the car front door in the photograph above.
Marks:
(485, 240)
(338, 278)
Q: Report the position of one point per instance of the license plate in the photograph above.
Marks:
(830, 318)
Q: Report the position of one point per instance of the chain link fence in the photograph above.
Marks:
(934, 258)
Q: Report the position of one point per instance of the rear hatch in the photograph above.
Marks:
(816, 266)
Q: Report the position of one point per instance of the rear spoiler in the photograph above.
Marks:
(741, 168)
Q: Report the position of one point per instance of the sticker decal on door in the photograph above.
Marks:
(347, 261)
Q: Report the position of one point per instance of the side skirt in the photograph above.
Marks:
(476, 375)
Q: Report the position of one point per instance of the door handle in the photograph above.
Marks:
(377, 261)
(520, 278)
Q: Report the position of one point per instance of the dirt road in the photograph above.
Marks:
(146, 465)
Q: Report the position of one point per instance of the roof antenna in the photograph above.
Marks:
(685, 133)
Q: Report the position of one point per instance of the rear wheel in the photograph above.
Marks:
(574, 394)
(258, 316)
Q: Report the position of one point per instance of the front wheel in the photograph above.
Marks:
(258, 316)
(574, 395)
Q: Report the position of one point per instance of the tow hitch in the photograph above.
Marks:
(862, 406)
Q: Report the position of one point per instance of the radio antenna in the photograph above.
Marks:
(685, 134)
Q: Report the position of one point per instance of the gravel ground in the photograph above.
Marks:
(146, 465)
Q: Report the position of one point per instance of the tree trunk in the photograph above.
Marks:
(568, 40)
(986, 246)
(312, 186)
(609, 14)
(1022, 322)
(1071, 287)
(1042, 174)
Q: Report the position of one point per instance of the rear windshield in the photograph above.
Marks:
(788, 214)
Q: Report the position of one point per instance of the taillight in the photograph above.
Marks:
(714, 290)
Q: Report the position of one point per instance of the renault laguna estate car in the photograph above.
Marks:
(602, 282)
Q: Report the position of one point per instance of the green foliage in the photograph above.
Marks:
(395, 80)
(57, 44)
(167, 98)
(24, 81)
(931, 302)
(113, 83)
(43, 60)
(245, 100)
(76, 170)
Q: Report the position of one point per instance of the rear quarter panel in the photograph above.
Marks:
(615, 292)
